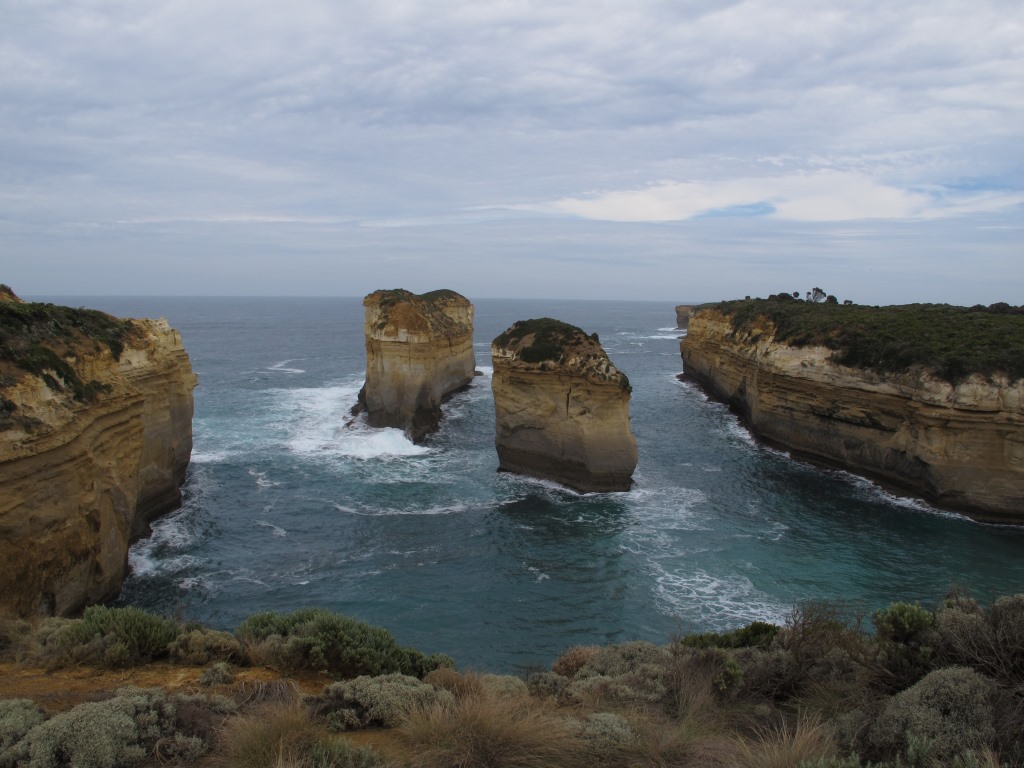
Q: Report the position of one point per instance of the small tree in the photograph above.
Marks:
(816, 295)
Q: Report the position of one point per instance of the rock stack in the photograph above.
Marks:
(561, 408)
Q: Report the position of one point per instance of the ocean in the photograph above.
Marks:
(289, 503)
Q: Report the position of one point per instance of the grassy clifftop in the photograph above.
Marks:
(952, 342)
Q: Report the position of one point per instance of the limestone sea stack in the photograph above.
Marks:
(561, 408)
(419, 350)
(95, 439)
(959, 443)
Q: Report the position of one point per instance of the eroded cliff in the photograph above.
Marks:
(959, 444)
(561, 408)
(419, 350)
(95, 439)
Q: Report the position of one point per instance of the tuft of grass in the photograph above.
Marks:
(283, 735)
(785, 746)
(492, 732)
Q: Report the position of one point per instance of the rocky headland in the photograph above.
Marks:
(683, 313)
(95, 438)
(419, 350)
(928, 399)
(561, 408)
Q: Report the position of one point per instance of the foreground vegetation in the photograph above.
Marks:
(928, 687)
(953, 342)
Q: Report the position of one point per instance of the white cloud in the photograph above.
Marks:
(821, 196)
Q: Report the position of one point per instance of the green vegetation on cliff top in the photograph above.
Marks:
(37, 338)
(953, 342)
(551, 339)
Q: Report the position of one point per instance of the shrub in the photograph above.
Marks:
(757, 634)
(283, 735)
(903, 623)
(218, 674)
(17, 718)
(107, 734)
(542, 684)
(381, 701)
(606, 732)
(614, 660)
(202, 646)
(492, 732)
(113, 637)
(504, 686)
(949, 712)
(316, 639)
(573, 659)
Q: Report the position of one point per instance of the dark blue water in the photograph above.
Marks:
(286, 507)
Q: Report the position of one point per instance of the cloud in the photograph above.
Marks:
(824, 196)
(402, 117)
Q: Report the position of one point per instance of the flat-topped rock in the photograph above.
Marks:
(561, 408)
(419, 350)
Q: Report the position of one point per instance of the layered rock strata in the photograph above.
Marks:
(958, 446)
(561, 408)
(95, 439)
(419, 350)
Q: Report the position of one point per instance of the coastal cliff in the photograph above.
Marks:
(419, 350)
(561, 408)
(95, 439)
(953, 437)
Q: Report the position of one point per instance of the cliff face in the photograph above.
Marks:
(561, 408)
(959, 446)
(419, 350)
(84, 467)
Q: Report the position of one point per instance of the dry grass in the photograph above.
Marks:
(785, 746)
(692, 742)
(487, 732)
(282, 735)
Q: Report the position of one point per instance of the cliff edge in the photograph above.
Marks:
(850, 391)
(419, 350)
(95, 439)
(561, 408)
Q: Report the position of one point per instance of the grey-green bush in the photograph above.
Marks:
(108, 734)
(217, 674)
(542, 684)
(948, 712)
(504, 686)
(377, 701)
(17, 718)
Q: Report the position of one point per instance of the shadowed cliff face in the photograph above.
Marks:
(959, 446)
(561, 408)
(93, 446)
(419, 350)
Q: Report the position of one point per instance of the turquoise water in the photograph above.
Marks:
(286, 505)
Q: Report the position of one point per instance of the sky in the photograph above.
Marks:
(670, 150)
